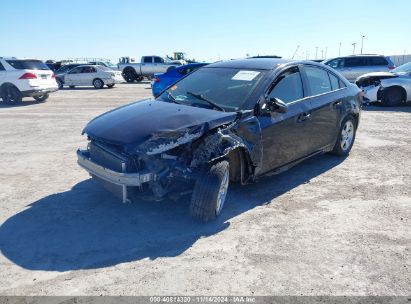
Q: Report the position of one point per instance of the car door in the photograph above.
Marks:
(73, 77)
(158, 65)
(326, 97)
(88, 74)
(147, 65)
(285, 135)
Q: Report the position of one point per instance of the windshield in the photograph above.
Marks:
(215, 88)
(28, 64)
(405, 68)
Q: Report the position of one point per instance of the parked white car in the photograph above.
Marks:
(90, 75)
(25, 78)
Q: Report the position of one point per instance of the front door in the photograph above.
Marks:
(73, 77)
(285, 136)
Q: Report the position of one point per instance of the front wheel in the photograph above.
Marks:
(41, 98)
(210, 192)
(98, 83)
(60, 83)
(346, 137)
(393, 97)
(129, 76)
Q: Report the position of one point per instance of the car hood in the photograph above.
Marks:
(376, 75)
(151, 126)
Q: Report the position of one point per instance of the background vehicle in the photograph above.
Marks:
(351, 67)
(229, 121)
(149, 65)
(63, 70)
(391, 88)
(25, 78)
(162, 81)
(90, 75)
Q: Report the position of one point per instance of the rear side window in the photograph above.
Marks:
(289, 86)
(158, 60)
(28, 64)
(318, 80)
(334, 82)
(336, 63)
(2, 67)
(147, 60)
(352, 62)
(378, 61)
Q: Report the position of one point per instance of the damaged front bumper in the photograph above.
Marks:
(123, 179)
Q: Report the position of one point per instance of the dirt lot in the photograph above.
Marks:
(328, 226)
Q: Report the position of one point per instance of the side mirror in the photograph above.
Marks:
(274, 105)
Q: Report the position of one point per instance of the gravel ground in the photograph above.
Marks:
(328, 226)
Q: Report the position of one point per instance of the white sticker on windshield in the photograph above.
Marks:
(245, 75)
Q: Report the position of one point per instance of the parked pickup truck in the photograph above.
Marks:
(149, 65)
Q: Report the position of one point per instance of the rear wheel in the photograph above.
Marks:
(210, 192)
(41, 98)
(393, 97)
(98, 83)
(346, 137)
(140, 78)
(11, 95)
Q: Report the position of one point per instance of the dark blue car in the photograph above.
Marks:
(162, 81)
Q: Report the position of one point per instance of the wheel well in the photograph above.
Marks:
(404, 93)
(6, 84)
(129, 69)
(239, 161)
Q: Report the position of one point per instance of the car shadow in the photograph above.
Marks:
(85, 89)
(378, 107)
(24, 103)
(86, 228)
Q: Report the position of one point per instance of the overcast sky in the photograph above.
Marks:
(206, 30)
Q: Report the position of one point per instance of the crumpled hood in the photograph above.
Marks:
(151, 126)
(376, 75)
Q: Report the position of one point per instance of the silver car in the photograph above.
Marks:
(352, 67)
(391, 88)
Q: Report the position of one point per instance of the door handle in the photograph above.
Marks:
(337, 103)
(303, 117)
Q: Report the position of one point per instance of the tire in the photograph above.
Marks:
(210, 192)
(60, 83)
(129, 76)
(346, 137)
(11, 95)
(393, 97)
(111, 85)
(139, 78)
(98, 83)
(72, 87)
(41, 98)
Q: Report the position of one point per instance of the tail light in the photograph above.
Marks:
(157, 79)
(391, 67)
(53, 76)
(28, 76)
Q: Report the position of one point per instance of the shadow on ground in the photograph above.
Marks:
(24, 103)
(85, 227)
(378, 107)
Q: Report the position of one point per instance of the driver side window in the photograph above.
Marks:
(288, 86)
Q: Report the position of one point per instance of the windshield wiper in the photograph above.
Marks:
(170, 96)
(201, 97)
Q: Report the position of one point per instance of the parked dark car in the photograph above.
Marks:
(227, 122)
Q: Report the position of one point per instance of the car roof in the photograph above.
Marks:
(250, 63)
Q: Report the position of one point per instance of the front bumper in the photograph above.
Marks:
(117, 178)
(113, 80)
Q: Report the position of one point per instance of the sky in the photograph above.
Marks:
(206, 30)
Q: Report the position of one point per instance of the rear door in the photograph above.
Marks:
(88, 74)
(147, 65)
(355, 67)
(325, 96)
(158, 65)
(285, 136)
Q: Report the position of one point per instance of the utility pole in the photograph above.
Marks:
(295, 51)
(362, 43)
(353, 50)
(325, 54)
(322, 54)
(316, 52)
(339, 50)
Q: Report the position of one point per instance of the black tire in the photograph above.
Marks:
(111, 85)
(41, 98)
(129, 76)
(204, 205)
(11, 95)
(393, 97)
(98, 83)
(72, 87)
(60, 83)
(139, 78)
(343, 147)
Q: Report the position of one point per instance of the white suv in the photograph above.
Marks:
(25, 78)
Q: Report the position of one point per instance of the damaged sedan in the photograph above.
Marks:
(390, 88)
(229, 122)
